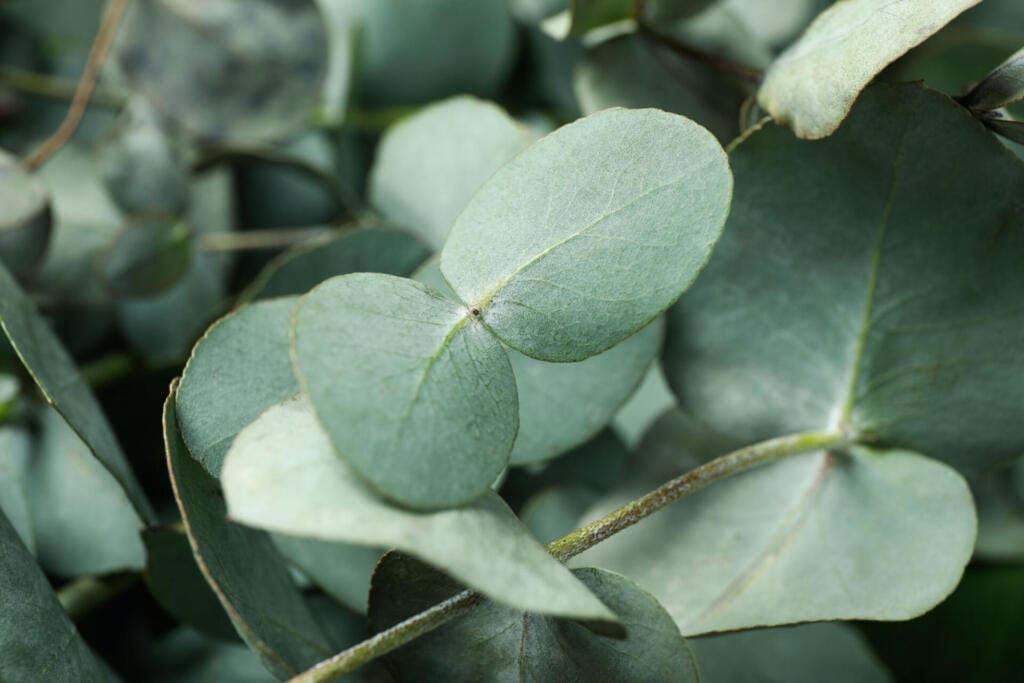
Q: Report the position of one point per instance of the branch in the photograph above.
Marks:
(80, 100)
(574, 543)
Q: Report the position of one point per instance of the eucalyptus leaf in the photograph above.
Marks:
(634, 71)
(342, 570)
(620, 191)
(186, 656)
(554, 512)
(561, 405)
(906, 338)
(822, 536)
(808, 653)
(282, 474)
(364, 250)
(1007, 127)
(430, 164)
(58, 379)
(147, 257)
(469, 48)
(1004, 86)
(416, 395)
(587, 15)
(30, 616)
(176, 582)
(25, 219)
(15, 458)
(812, 86)
(221, 390)
(649, 402)
(242, 567)
(495, 643)
(226, 68)
(83, 521)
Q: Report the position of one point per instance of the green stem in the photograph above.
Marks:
(391, 639)
(574, 543)
(84, 594)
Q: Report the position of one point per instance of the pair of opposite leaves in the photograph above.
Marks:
(569, 249)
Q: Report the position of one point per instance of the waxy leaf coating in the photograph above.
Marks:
(590, 233)
(415, 393)
(879, 274)
(283, 475)
(814, 83)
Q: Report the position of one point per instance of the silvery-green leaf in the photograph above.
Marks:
(238, 369)
(15, 458)
(370, 250)
(342, 570)
(907, 337)
(416, 394)
(282, 474)
(649, 402)
(548, 248)
(82, 519)
(809, 653)
(823, 536)
(1003, 86)
(469, 48)
(36, 636)
(430, 164)
(773, 22)
(24, 217)
(554, 512)
(147, 258)
(633, 71)
(1007, 127)
(242, 567)
(58, 379)
(177, 584)
(812, 86)
(561, 405)
(226, 68)
(496, 643)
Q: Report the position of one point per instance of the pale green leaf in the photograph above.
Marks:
(371, 250)
(15, 458)
(25, 219)
(495, 643)
(1005, 85)
(82, 519)
(649, 402)
(812, 86)
(342, 570)
(283, 475)
(416, 395)
(554, 512)
(429, 165)
(822, 536)
(809, 653)
(240, 70)
(908, 336)
(242, 567)
(237, 370)
(549, 248)
(561, 405)
(36, 636)
(58, 379)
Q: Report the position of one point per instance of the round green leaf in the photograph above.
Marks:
(237, 370)
(58, 379)
(809, 653)
(371, 250)
(908, 336)
(242, 567)
(416, 395)
(822, 536)
(147, 258)
(495, 643)
(561, 405)
(429, 165)
(24, 219)
(549, 248)
(283, 475)
(812, 86)
(226, 68)
(36, 636)
(82, 520)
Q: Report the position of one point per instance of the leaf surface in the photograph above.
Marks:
(1003, 86)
